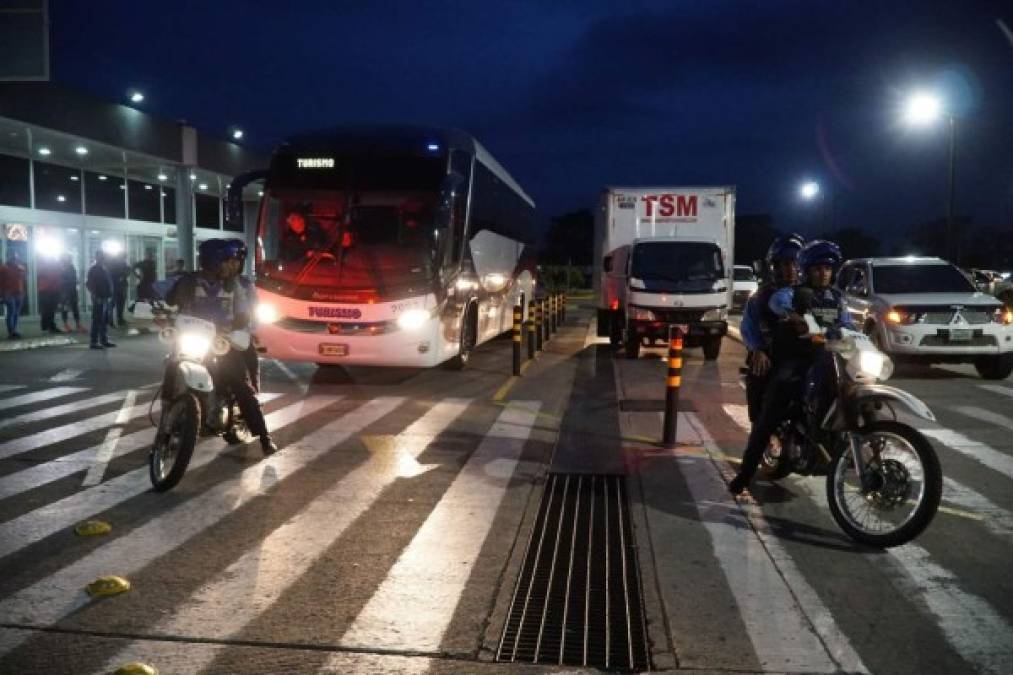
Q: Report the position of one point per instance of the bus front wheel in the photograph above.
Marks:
(469, 336)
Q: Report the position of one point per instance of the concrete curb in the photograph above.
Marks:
(25, 344)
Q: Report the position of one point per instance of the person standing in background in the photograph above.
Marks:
(120, 272)
(49, 284)
(147, 273)
(100, 285)
(13, 281)
(68, 293)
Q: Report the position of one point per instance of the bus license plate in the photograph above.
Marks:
(960, 334)
(333, 350)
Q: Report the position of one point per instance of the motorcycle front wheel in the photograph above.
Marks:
(903, 490)
(174, 442)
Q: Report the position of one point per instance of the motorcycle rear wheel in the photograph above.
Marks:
(175, 441)
(894, 478)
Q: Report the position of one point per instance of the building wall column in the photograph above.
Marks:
(185, 216)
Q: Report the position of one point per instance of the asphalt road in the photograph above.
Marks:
(388, 533)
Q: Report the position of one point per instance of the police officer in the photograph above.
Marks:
(758, 319)
(792, 351)
(246, 305)
(211, 294)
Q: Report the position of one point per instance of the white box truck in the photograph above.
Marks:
(663, 257)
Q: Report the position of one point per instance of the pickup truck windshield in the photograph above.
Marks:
(919, 279)
(743, 274)
(677, 266)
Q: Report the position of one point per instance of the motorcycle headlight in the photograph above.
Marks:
(641, 314)
(412, 319)
(875, 364)
(194, 345)
(267, 313)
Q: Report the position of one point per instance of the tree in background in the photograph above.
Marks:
(854, 242)
(570, 240)
(753, 234)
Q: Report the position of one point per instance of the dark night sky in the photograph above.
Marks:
(571, 95)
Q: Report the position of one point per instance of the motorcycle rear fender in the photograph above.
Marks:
(873, 392)
(194, 376)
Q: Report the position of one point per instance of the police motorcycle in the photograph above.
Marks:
(192, 407)
(883, 478)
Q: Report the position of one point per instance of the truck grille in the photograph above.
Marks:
(944, 341)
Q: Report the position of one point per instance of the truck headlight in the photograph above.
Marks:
(641, 314)
(267, 313)
(194, 345)
(717, 314)
(412, 319)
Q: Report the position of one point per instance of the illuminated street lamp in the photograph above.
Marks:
(237, 134)
(924, 109)
(809, 190)
(136, 96)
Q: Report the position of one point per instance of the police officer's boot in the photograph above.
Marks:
(267, 445)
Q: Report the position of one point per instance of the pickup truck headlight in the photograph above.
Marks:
(717, 314)
(642, 314)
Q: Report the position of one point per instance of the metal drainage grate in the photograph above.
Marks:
(578, 600)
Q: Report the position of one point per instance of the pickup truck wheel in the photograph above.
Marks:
(712, 347)
(995, 367)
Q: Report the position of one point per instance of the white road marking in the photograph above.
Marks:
(57, 595)
(252, 584)
(971, 625)
(765, 580)
(977, 413)
(739, 414)
(107, 450)
(10, 387)
(35, 525)
(286, 370)
(979, 452)
(66, 375)
(39, 396)
(997, 389)
(65, 409)
(431, 573)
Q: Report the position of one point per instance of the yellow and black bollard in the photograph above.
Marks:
(564, 307)
(531, 329)
(552, 314)
(672, 384)
(539, 335)
(545, 320)
(516, 335)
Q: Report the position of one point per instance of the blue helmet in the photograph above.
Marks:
(213, 252)
(785, 247)
(820, 252)
(236, 248)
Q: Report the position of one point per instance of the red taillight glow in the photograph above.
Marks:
(615, 304)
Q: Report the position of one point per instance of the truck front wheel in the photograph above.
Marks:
(712, 347)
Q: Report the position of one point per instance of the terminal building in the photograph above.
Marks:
(78, 174)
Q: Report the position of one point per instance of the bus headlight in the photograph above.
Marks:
(267, 313)
(412, 319)
(194, 345)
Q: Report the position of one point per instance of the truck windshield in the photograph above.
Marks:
(677, 266)
(919, 279)
(743, 274)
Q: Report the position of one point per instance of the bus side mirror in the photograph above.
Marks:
(234, 198)
(606, 263)
(450, 188)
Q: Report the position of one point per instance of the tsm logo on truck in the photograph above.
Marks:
(668, 205)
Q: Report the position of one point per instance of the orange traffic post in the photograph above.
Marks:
(516, 336)
(672, 384)
(531, 330)
(552, 314)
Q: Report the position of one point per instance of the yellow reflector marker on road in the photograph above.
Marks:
(90, 528)
(136, 668)
(108, 585)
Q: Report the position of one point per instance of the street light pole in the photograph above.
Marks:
(952, 244)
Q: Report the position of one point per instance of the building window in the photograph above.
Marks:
(14, 183)
(207, 211)
(143, 201)
(57, 188)
(168, 205)
(103, 195)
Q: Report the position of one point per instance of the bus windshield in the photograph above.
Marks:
(354, 229)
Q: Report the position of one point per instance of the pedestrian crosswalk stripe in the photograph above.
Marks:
(234, 597)
(54, 597)
(65, 409)
(979, 452)
(107, 449)
(997, 389)
(31, 527)
(765, 580)
(431, 573)
(39, 396)
(10, 387)
(983, 415)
